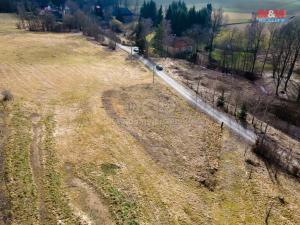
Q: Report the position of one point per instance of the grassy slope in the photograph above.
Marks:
(245, 6)
(240, 10)
(65, 76)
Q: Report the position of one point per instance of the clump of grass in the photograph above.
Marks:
(18, 175)
(123, 209)
(109, 168)
(6, 96)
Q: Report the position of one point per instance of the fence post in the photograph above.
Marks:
(266, 128)
(235, 108)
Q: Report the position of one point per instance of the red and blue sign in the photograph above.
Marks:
(271, 16)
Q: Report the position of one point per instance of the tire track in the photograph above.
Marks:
(36, 157)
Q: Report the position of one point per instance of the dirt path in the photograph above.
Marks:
(3, 198)
(95, 210)
(36, 156)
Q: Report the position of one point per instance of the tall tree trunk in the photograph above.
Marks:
(291, 70)
(277, 85)
(265, 60)
(268, 51)
(255, 55)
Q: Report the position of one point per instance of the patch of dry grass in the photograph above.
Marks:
(71, 87)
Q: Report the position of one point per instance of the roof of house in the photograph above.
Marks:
(181, 42)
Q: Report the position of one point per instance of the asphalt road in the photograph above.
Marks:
(190, 96)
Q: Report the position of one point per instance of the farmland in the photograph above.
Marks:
(243, 6)
(89, 139)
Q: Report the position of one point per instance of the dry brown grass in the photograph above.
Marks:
(65, 76)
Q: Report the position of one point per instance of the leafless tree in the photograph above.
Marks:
(281, 54)
(256, 37)
(271, 28)
(216, 23)
(294, 31)
(228, 51)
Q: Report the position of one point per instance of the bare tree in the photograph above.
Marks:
(256, 39)
(143, 28)
(298, 97)
(271, 29)
(281, 54)
(294, 31)
(162, 36)
(228, 51)
(216, 23)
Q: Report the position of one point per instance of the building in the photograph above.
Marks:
(178, 46)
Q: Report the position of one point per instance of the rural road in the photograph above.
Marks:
(190, 96)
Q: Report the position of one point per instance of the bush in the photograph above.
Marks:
(6, 96)
(112, 45)
(243, 112)
(19, 25)
(58, 27)
(221, 101)
(100, 38)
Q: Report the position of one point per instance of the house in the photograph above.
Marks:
(179, 45)
(98, 10)
(54, 10)
(123, 14)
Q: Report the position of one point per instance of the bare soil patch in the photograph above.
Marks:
(91, 203)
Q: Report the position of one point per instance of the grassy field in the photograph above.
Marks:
(89, 140)
(244, 6)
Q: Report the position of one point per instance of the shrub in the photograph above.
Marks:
(19, 25)
(243, 112)
(112, 45)
(100, 38)
(221, 101)
(6, 96)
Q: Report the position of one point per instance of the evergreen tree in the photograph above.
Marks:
(177, 13)
(149, 11)
(160, 16)
(158, 39)
(221, 100)
(243, 112)
(140, 40)
(182, 19)
(59, 2)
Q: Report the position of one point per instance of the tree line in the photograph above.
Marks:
(249, 51)
(11, 5)
(177, 20)
(181, 18)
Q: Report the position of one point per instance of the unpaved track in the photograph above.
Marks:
(97, 208)
(3, 198)
(36, 157)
